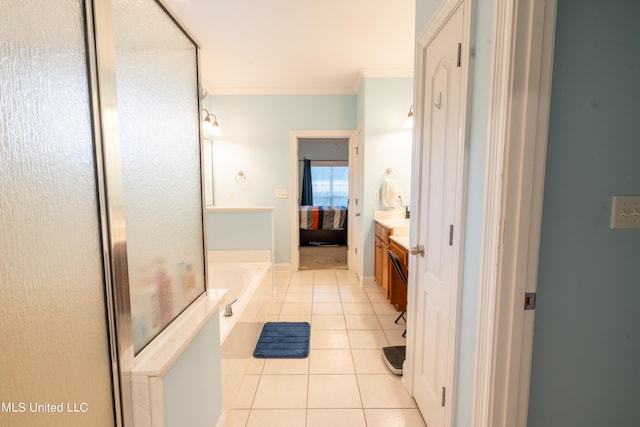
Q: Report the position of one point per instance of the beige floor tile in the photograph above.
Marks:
(300, 287)
(367, 339)
(270, 318)
(335, 418)
(330, 339)
(333, 391)
(295, 296)
(327, 321)
(362, 321)
(330, 362)
(384, 391)
(394, 418)
(278, 297)
(354, 298)
(294, 318)
(277, 418)
(326, 297)
(394, 336)
(357, 308)
(273, 307)
(236, 418)
(387, 321)
(374, 292)
(286, 366)
(325, 277)
(281, 391)
(348, 280)
(255, 366)
(301, 278)
(281, 288)
(244, 398)
(296, 308)
(369, 361)
(319, 288)
(384, 308)
(327, 308)
(283, 277)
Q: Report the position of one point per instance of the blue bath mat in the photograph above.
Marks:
(283, 340)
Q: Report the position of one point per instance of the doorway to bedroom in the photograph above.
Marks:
(321, 215)
(323, 170)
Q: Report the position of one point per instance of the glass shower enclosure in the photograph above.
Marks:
(101, 206)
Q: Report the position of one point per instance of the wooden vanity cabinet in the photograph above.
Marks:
(397, 289)
(381, 259)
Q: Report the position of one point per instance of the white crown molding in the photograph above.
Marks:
(281, 91)
(388, 73)
(365, 73)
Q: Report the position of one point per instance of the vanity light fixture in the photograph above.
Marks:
(210, 125)
(408, 123)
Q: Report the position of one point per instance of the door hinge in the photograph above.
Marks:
(444, 395)
(459, 53)
(530, 301)
(355, 250)
(451, 235)
(357, 149)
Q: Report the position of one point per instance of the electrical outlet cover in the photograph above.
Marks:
(625, 212)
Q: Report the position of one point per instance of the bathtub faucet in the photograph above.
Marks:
(227, 310)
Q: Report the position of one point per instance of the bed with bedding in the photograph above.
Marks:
(323, 224)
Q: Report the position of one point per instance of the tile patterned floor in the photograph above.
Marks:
(344, 381)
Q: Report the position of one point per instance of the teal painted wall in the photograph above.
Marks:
(256, 139)
(586, 352)
(386, 144)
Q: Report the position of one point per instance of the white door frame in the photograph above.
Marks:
(516, 155)
(294, 135)
(439, 19)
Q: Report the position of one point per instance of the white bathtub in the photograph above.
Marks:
(250, 281)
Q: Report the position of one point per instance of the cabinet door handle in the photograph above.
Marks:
(417, 250)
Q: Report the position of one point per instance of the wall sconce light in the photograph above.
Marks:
(210, 125)
(408, 123)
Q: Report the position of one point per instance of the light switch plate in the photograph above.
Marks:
(625, 212)
(282, 194)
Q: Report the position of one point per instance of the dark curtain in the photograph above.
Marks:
(307, 193)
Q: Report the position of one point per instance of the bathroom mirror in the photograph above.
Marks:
(208, 157)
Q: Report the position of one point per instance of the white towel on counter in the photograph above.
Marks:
(388, 191)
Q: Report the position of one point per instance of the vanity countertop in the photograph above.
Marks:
(401, 240)
(394, 223)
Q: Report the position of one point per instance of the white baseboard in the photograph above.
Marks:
(283, 267)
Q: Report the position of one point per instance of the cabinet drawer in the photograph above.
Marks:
(382, 233)
(400, 253)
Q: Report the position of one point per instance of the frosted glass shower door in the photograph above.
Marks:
(157, 88)
(55, 366)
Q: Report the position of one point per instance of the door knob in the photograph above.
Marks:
(357, 213)
(417, 250)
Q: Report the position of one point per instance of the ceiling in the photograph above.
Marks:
(298, 46)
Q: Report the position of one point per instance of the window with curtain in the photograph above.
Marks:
(330, 183)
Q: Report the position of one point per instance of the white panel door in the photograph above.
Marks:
(440, 139)
(355, 205)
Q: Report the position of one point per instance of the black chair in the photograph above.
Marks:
(398, 268)
(394, 356)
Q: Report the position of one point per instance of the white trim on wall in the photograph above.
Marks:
(516, 155)
(294, 135)
(433, 27)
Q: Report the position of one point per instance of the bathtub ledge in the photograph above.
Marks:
(158, 357)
